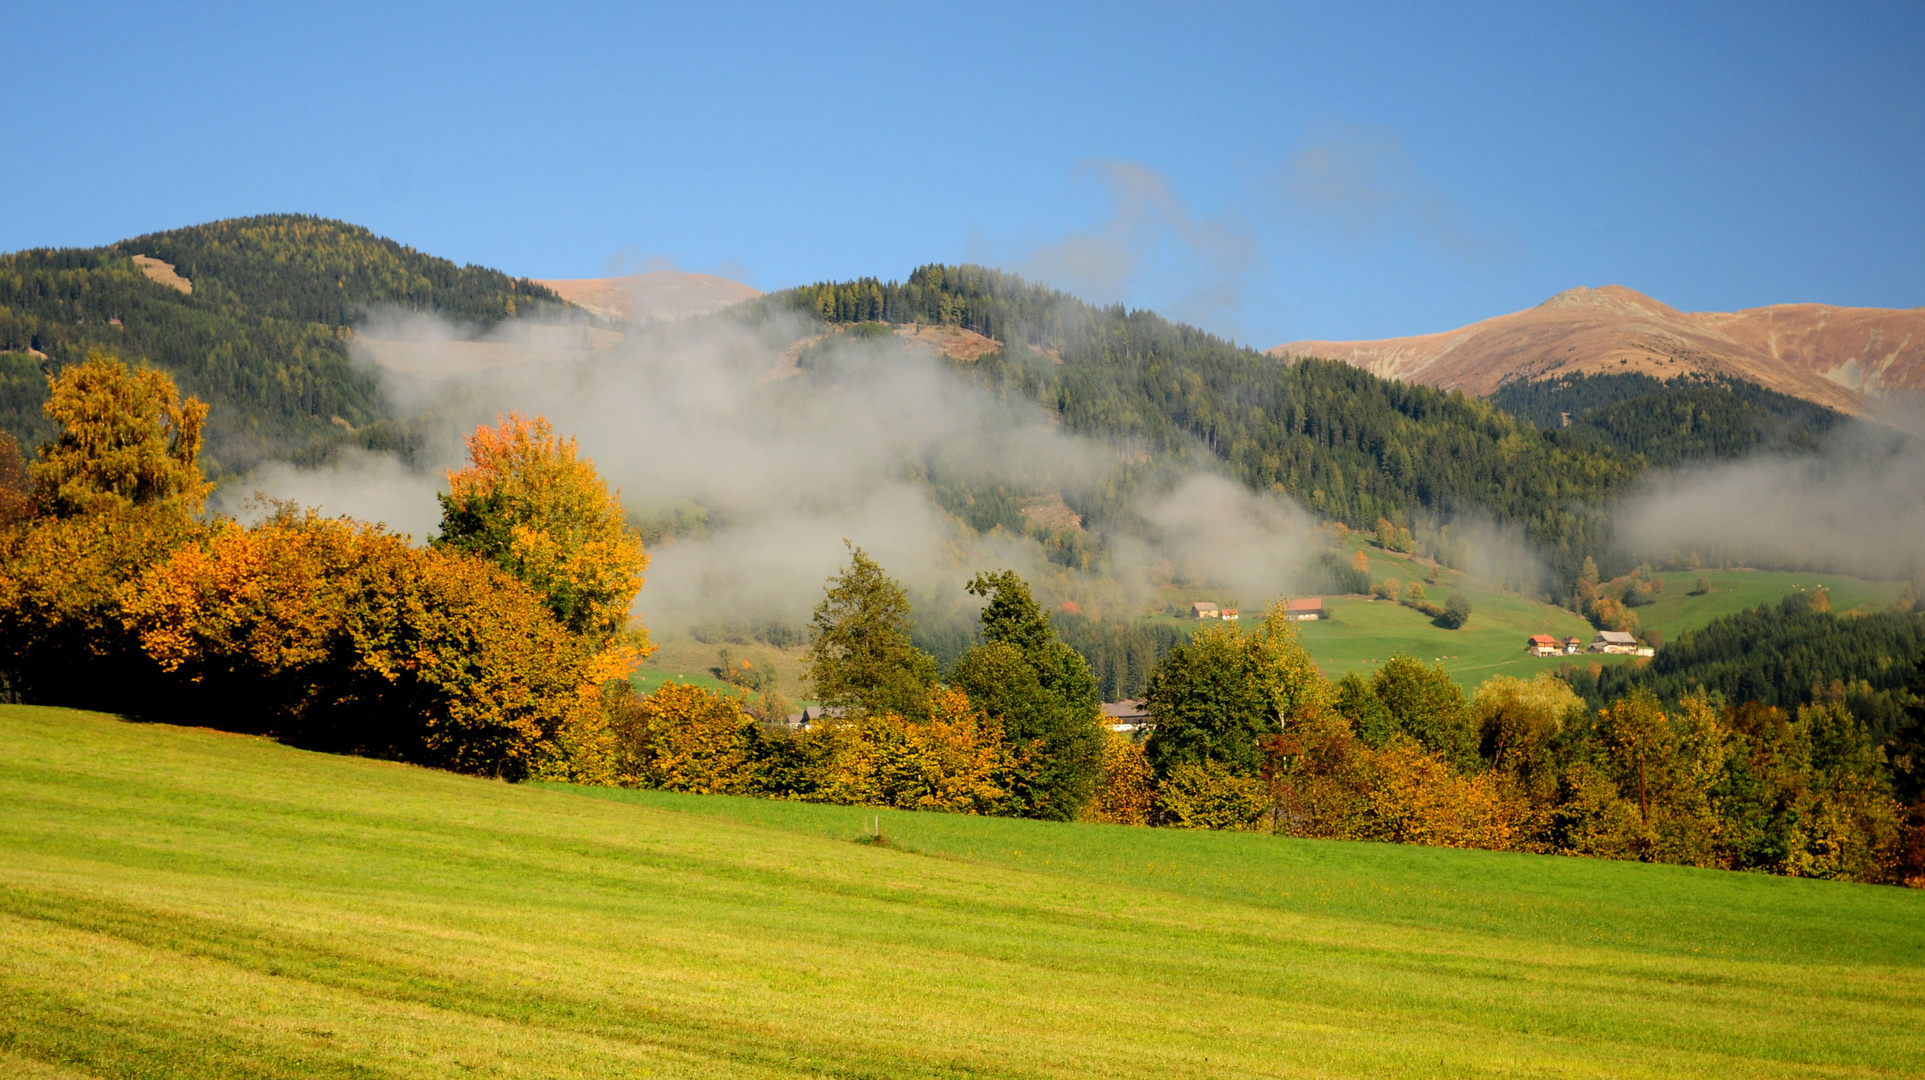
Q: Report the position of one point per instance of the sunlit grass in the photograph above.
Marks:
(179, 902)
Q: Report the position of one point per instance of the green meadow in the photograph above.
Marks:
(178, 902)
(1676, 611)
(1359, 634)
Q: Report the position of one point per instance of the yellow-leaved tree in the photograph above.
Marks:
(126, 440)
(531, 504)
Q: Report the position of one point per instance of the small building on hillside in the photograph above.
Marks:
(800, 721)
(1304, 610)
(1228, 614)
(1203, 609)
(1543, 645)
(1125, 716)
(1573, 646)
(1614, 641)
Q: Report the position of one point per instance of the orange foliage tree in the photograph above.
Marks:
(530, 503)
(63, 586)
(16, 484)
(339, 636)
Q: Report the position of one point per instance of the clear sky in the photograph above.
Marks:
(1270, 171)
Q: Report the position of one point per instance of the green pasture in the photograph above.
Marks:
(1676, 611)
(178, 902)
(1359, 634)
(683, 659)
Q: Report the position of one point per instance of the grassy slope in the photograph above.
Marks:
(683, 658)
(1733, 591)
(1360, 634)
(178, 902)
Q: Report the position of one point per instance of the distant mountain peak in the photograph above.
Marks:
(1609, 298)
(1850, 359)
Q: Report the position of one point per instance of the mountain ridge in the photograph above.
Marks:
(1856, 360)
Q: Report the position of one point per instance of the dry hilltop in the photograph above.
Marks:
(650, 297)
(1855, 360)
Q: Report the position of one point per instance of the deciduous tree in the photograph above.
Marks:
(531, 504)
(126, 439)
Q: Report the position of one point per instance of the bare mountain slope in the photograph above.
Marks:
(1848, 358)
(662, 294)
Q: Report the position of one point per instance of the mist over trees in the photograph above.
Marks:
(502, 652)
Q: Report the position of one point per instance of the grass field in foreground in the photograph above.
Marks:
(182, 903)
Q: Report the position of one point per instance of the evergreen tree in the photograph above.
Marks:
(860, 654)
(1041, 690)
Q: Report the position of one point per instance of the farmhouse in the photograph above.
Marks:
(1543, 645)
(1304, 610)
(1573, 646)
(1203, 609)
(1614, 641)
(1125, 716)
(1228, 614)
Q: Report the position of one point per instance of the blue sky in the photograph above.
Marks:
(1269, 171)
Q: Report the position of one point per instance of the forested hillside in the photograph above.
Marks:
(1351, 446)
(1682, 418)
(1793, 653)
(261, 335)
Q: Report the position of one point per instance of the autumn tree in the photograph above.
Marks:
(1126, 795)
(860, 656)
(64, 588)
(1041, 690)
(126, 439)
(531, 504)
(342, 637)
(686, 738)
(1519, 723)
(16, 484)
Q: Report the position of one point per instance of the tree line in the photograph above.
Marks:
(494, 650)
(503, 647)
(1787, 655)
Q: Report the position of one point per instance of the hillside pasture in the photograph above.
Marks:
(183, 902)
(1675, 611)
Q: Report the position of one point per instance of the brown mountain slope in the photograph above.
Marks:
(1852, 359)
(661, 294)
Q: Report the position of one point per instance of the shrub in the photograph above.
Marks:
(686, 738)
(340, 637)
(1207, 795)
(63, 590)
